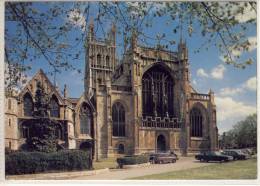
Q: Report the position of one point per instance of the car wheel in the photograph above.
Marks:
(173, 161)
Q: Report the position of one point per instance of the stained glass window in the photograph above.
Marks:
(27, 105)
(85, 119)
(118, 117)
(54, 107)
(196, 122)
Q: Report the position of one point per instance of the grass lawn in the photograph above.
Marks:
(105, 163)
(246, 169)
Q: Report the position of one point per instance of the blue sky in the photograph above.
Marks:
(235, 89)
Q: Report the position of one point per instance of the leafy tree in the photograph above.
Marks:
(42, 129)
(44, 30)
(243, 134)
(43, 136)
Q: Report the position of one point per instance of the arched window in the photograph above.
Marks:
(58, 132)
(118, 117)
(121, 149)
(27, 105)
(99, 60)
(85, 119)
(157, 92)
(107, 61)
(25, 132)
(54, 107)
(196, 122)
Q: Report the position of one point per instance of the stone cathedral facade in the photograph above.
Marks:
(144, 103)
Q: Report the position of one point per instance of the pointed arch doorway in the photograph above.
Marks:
(161, 143)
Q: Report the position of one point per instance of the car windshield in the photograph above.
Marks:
(217, 153)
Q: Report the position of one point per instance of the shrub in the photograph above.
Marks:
(132, 160)
(35, 162)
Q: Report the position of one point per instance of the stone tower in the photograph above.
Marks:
(11, 121)
(100, 59)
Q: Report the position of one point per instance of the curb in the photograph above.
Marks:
(136, 165)
(59, 175)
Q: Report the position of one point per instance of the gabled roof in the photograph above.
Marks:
(40, 75)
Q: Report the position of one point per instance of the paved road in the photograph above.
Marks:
(117, 174)
(182, 164)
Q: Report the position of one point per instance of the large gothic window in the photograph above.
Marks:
(157, 92)
(118, 117)
(27, 105)
(196, 122)
(85, 119)
(54, 107)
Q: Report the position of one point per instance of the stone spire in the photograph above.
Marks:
(134, 40)
(91, 35)
(65, 91)
(113, 34)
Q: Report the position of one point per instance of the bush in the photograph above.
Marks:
(132, 160)
(35, 162)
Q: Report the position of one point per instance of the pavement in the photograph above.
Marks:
(116, 174)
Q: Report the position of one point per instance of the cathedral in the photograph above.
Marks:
(143, 103)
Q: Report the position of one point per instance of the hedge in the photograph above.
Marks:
(131, 160)
(36, 162)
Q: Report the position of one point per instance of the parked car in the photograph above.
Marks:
(247, 151)
(213, 156)
(153, 155)
(237, 155)
(164, 158)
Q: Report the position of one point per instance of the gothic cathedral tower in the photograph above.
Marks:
(100, 59)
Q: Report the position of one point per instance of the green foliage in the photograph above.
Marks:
(33, 35)
(42, 136)
(243, 134)
(35, 162)
(42, 129)
(132, 160)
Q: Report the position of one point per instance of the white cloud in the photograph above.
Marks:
(228, 108)
(218, 72)
(250, 84)
(234, 10)
(201, 73)
(194, 82)
(253, 43)
(247, 15)
(238, 50)
(230, 91)
(77, 19)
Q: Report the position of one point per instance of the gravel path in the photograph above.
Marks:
(182, 164)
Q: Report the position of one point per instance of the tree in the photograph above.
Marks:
(44, 30)
(42, 129)
(243, 134)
